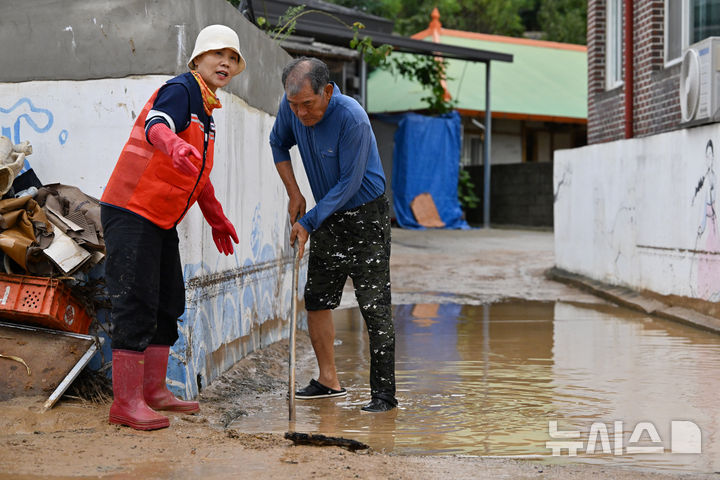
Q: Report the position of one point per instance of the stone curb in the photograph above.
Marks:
(634, 300)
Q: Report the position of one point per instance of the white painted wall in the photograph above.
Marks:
(234, 304)
(641, 212)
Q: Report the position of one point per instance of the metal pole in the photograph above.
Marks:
(344, 78)
(293, 325)
(486, 150)
(363, 82)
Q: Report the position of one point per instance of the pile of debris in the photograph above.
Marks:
(49, 230)
(51, 240)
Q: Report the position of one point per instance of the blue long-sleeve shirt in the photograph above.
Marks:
(339, 153)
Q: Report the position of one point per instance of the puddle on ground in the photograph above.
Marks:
(488, 380)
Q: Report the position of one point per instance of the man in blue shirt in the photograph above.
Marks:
(349, 227)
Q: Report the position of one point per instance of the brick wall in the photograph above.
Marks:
(520, 194)
(605, 108)
(655, 101)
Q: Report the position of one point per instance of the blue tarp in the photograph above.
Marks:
(426, 159)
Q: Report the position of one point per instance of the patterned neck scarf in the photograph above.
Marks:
(210, 100)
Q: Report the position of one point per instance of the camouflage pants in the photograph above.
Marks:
(356, 242)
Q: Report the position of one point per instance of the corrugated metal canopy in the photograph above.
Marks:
(307, 46)
(546, 80)
(328, 32)
(317, 12)
(323, 21)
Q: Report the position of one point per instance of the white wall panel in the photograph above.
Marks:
(642, 212)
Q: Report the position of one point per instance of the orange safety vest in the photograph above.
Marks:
(144, 180)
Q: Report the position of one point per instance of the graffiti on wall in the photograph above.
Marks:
(705, 272)
(231, 305)
(25, 114)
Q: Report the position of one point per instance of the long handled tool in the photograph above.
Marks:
(293, 325)
(305, 438)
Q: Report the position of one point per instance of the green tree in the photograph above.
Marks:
(564, 20)
(414, 15)
(380, 8)
(560, 20)
(502, 17)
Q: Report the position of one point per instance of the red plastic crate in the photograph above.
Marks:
(41, 301)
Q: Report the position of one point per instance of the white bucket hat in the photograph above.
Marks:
(217, 37)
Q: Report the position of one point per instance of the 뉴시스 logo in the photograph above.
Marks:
(685, 437)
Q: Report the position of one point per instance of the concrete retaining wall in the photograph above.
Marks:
(642, 213)
(81, 73)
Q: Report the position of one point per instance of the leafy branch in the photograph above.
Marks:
(466, 191)
(287, 22)
(428, 71)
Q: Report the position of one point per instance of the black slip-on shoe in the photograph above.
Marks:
(378, 405)
(317, 390)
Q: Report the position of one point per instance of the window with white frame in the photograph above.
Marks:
(688, 22)
(472, 151)
(613, 60)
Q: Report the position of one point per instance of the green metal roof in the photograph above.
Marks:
(545, 79)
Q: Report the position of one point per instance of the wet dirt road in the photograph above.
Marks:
(475, 380)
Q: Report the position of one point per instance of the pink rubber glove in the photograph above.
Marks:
(174, 147)
(222, 229)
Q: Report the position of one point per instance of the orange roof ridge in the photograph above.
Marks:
(500, 39)
(435, 20)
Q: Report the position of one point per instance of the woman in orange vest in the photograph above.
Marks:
(162, 171)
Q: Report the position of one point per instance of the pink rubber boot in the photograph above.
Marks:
(129, 407)
(155, 389)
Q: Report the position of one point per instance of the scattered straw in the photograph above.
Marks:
(91, 386)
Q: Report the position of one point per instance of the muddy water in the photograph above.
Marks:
(488, 380)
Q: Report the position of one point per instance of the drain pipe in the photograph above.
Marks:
(629, 72)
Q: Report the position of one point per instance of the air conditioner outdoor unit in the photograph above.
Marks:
(700, 82)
